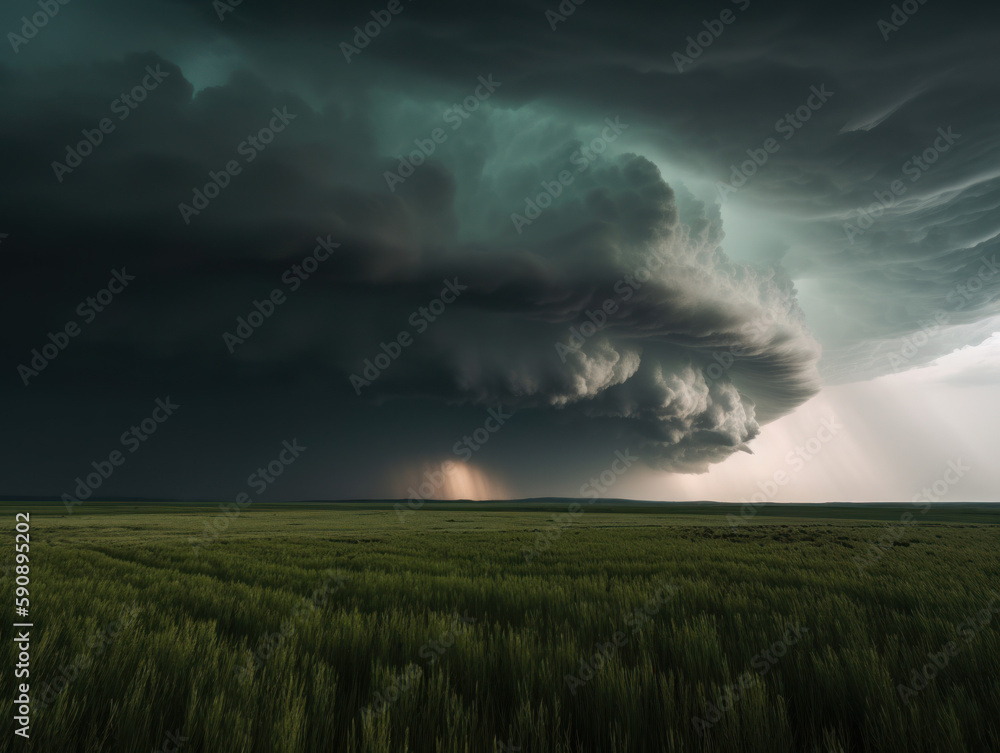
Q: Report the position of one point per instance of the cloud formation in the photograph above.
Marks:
(564, 183)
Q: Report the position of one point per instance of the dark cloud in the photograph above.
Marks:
(692, 361)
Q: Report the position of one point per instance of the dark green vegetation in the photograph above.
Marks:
(295, 619)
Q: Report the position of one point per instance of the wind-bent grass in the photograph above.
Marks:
(281, 633)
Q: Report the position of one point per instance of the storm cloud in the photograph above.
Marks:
(482, 208)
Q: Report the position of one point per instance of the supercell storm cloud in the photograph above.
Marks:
(649, 228)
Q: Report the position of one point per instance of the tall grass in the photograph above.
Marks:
(179, 659)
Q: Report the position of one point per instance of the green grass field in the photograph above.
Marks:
(346, 628)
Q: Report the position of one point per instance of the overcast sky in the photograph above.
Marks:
(699, 252)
